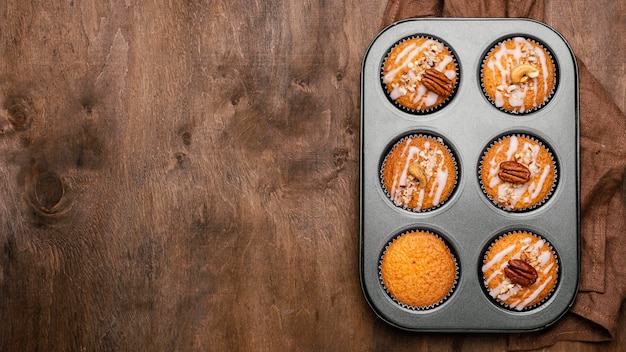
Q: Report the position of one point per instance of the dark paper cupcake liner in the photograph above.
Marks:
(502, 304)
(443, 299)
(454, 161)
(433, 108)
(554, 165)
(549, 96)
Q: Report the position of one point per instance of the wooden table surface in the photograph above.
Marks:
(183, 175)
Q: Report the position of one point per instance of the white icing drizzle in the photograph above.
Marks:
(498, 257)
(413, 152)
(442, 65)
(493, 165)
(406, 56)
(512, 194)
(506, 290)
(395, 93)
(543, 258)
(538, 245)
(491, 277)
(504, 296)
(402, 186)
(404, 74)
(507, 194)
(513, 144)
(541, 181)
(499, 100)
(494, 181)
(441, 179)
(534, 294)
(516, 99)
(544, 67)
(512, 58)
(547, 269)
(421, 90)
(431, 98)
(420, 199)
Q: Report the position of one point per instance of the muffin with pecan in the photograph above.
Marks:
(518, 173)
(520, 270)
(420, 74)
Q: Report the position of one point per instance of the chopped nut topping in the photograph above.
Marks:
(413, 77)
(428, 161)
(526, 68)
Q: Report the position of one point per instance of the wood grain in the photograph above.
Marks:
(183, 175)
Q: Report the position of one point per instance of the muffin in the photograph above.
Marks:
(518, 75)
(418, 270)
(520, 270)
(419, 173)
(518, 173)
(419, 74)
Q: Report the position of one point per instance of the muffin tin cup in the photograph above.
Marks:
(470, 220)
(446, 296)
(555, 167)
(436, 107)
(555, 69)
(449, 150)
(547, 297)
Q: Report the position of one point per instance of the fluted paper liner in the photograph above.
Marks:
(537, 204)
(549, 95)
(435, 138)
(445, 297)
(504, 305)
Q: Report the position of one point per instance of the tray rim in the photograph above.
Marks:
(364, 287)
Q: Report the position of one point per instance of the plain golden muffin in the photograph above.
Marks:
(520, 285)
(419, 74)
(419, 173)
(418, 269)
(518, 75)
(518, 173)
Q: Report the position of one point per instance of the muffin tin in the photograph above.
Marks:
(469, 221)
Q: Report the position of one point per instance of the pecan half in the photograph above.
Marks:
(513, 172)
(437, 82)
(520, 272)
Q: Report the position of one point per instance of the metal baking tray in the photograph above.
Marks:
(469, 220)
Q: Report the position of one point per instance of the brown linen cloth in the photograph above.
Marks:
(602, 287)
